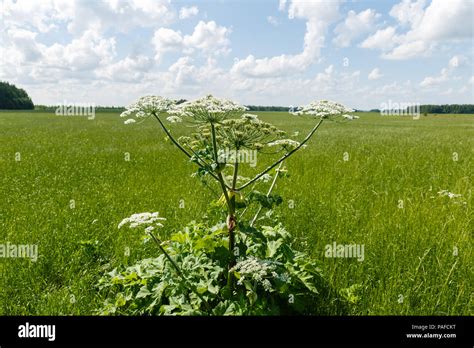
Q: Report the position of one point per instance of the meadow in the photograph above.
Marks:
(66, 182)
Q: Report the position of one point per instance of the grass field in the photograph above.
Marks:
(418, 244)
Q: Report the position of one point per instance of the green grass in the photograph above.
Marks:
(408, 251)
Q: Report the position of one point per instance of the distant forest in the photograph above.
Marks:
(14, 98)
(428, 109)
(444, 109)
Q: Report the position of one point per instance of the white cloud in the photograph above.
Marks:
(272, 20)
(430, 81)
(129, 69)
(408, 12)
(408, 50)
(26, 59)
(383, 39)
(165, 40)
(209, 38)
(84, 53)
(81, 16)
(441, 21)
(282, 5)
(446, 73)
(32, 15)
(355, 25)
(188, 12)
(374, 74)
(23, 47)
(185, 74)
(318, 16)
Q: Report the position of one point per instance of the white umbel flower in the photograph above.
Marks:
(323, 109)
(285, 143)
(129, 121)
(174, 119)
(208, 109)
(143, 220)
(255, 269)
(148, 105)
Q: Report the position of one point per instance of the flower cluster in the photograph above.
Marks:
(286, 144)
(323, 109)
(254, 269)
(148, 220)
(247, 132)
(146, 106)
(208, 109)
(174, 119)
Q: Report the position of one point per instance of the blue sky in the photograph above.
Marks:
(360, 53)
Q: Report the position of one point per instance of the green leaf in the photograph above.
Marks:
(144, 292)
(272, 247)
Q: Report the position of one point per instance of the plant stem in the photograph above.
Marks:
(171, 137)
(234, 179)
(315, 128)
(231, 222)
(268, 193)
(219, 174)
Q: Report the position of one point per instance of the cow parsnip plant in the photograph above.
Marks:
(245, 264)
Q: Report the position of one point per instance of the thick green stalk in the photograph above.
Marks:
(230, 208)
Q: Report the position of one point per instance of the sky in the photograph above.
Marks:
(359, 53)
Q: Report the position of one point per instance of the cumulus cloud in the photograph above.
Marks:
(83, 15)
(428, 26)
(408, 12)
(129, 69)
(318, 15)
(383, 39)
(188, 12)
(355, 25)
(454, 63)
(207, 37)
(40, 62)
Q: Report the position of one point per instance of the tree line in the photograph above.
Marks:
(14, 98)
(447, 109)
(441, 109)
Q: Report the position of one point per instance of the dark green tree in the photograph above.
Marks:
(14, 98)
